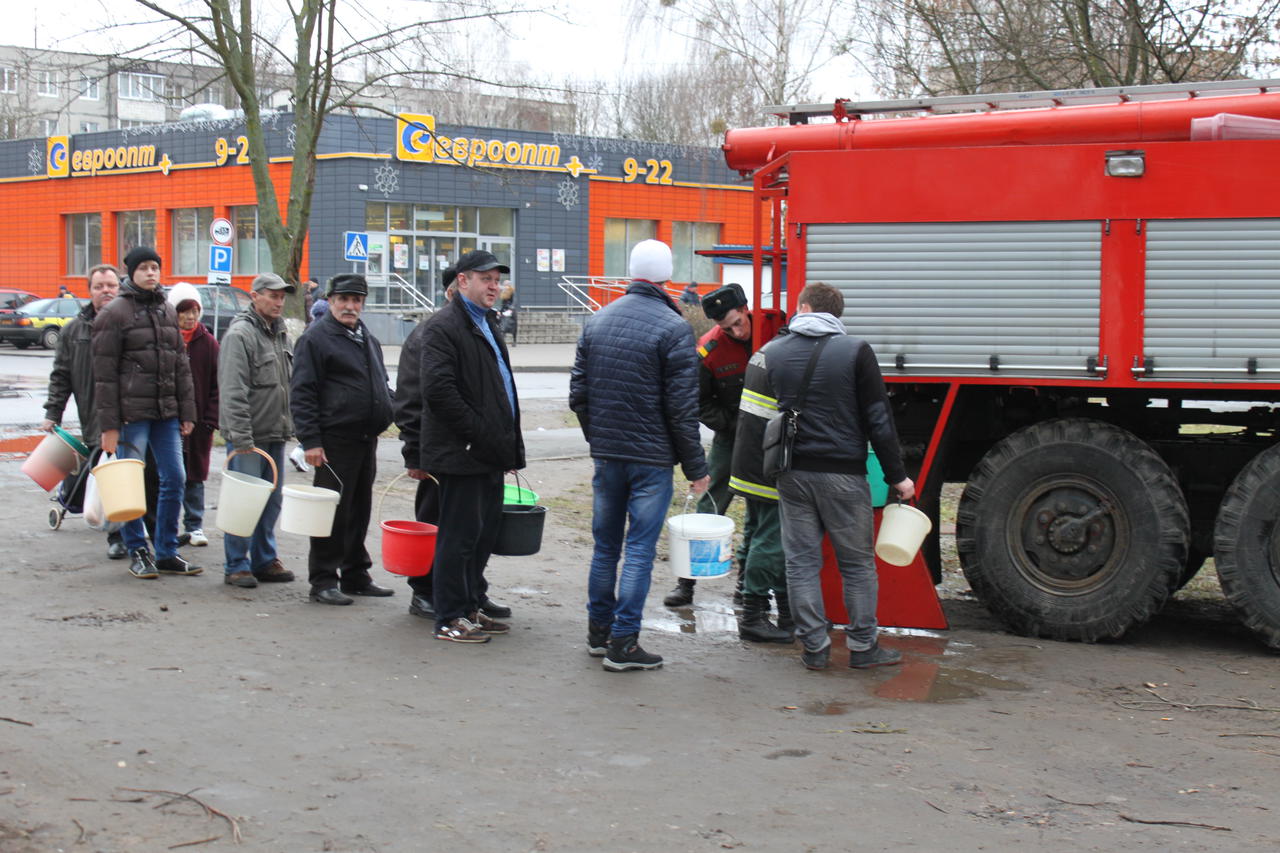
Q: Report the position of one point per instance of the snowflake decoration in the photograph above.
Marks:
(595, 163)
(567, 193)
(293, 136)
(35, 159)
(386, 179)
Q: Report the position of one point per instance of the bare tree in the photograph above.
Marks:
(779, 44)
(690, 105)
(320, 64)
(940, 47)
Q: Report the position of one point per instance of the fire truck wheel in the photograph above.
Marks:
(1072, 529)
(1246, 545)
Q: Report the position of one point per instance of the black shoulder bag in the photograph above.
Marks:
(780, 430)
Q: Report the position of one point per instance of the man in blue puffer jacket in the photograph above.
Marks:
(634, 388)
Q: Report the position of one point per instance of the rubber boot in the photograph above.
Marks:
(785, 622)
(737, 587)
(754, 624)
(682, 595)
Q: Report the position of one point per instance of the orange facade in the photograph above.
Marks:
(34, 214)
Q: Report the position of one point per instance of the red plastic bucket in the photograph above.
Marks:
(408, 547)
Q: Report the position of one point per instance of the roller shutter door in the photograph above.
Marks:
(985, 298)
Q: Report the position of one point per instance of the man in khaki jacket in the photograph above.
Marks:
(253, 381)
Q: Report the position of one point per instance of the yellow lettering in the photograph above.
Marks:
(76, 157)
(548, 155)
(495, 150)
(460, 148)
(513, 152)
(98, 160)
(477, 151)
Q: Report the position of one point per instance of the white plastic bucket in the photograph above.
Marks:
(121, 488)
(243, 497)
(308, 510)
(902, 532)
(701, 545)
(53, 459)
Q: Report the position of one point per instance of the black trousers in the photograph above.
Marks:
(426, 508)
(342, 555)
(470, 512)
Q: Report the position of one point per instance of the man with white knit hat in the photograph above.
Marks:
(634, 388)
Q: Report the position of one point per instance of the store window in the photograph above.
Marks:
(620, 237)
(252, 254)
(84, 242)
(686, 238)
(191, 240)
(134, 228)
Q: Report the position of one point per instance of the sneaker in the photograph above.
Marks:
(874, 656)
(273, 572)
(597, 639)
(820, 659)
(625, 654)
(175, 565)
(488, 625)
(142, 565)
(461, 630)
(241, 579)
(197, 538)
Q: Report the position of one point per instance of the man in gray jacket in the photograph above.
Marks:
(72, 375)
(253, 381)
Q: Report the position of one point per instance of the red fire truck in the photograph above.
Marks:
(1075, 299)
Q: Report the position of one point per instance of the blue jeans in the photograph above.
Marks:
(193, 506)
(640, 494)
(247, 553)
(165, 441)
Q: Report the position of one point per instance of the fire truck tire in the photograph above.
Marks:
(1072, 529)
(1246, 545)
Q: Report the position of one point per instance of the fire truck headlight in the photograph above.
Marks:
(1126, 164)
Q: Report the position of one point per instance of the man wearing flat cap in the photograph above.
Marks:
(253, 411)
(341, 403)
(470, 437)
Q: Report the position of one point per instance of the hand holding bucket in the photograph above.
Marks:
(408, 547)
(244, 496)
(309, 510)
(902, 532)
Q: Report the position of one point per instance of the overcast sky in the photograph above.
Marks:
(588, 39)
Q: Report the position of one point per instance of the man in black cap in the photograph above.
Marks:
(724, 352)
(341, 403)
(470, 437)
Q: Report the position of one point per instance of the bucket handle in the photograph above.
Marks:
(516, 474)
(387, 490)
(689, 497)
(275, 472)
(341, 487)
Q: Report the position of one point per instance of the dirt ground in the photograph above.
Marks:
(311, 728)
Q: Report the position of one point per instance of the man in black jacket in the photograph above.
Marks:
(826, 491)
(470, 437)
(340, 404)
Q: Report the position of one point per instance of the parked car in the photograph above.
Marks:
(39, 321)
(12, 298)
(221, 302)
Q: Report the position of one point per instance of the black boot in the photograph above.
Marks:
(625, 654)
(737, 587)
(754, 622)
(785, 622)
(682, 595)
(597, 639)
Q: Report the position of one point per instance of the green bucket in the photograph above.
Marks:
(74, 443)
(875, 479)
(516, 495)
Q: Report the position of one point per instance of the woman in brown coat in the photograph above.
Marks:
(202, 354)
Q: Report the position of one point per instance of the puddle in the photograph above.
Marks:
(709, 619)
(925, 681)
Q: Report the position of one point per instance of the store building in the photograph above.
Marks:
(552, 205)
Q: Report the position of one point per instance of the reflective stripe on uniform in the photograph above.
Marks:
(757, 490)
(758, 404)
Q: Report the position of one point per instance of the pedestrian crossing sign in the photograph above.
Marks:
(356, 245)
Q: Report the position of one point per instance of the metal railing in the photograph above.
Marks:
(391, 292)
(579, 287)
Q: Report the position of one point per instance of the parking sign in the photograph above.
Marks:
(220, 259)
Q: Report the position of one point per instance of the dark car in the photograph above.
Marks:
(40, 321)
(11, 299)
(221, 302)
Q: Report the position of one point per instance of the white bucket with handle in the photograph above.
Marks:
(309, 510)
(700, 544)
(243, 497)
(902, 532)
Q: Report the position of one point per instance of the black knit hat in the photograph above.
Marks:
(136, 256)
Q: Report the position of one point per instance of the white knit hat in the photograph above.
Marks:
(651, 261)
(181, 292)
